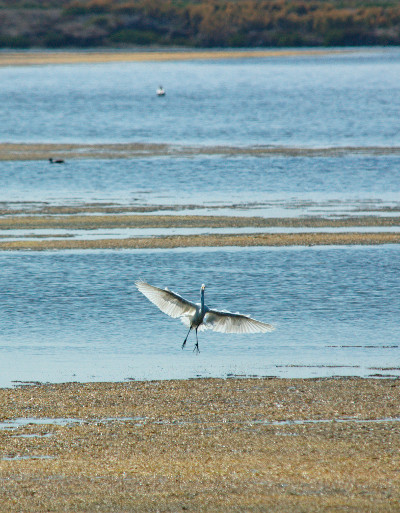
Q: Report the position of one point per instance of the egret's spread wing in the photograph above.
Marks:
(167, 301)
(227, 322)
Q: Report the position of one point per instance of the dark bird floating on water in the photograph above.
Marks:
(198, 315)
(56, 161)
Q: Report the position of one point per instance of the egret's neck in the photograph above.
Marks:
(202, 298)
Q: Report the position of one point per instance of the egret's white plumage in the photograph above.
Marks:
(198, 315)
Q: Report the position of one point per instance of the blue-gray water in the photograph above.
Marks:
(271, 186)
(77, 315)
(311, 101)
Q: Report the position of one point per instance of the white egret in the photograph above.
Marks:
(198, 315)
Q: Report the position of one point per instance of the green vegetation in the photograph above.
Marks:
(198, 23)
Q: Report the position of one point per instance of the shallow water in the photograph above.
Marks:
(124, 233)
(22, 422)
(78, 316)
(19, 423)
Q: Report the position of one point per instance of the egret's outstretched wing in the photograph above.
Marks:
(227, 322)
(167, 301)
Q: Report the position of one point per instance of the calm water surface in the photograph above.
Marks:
(330, 100)
(78, 316)
(270, 186)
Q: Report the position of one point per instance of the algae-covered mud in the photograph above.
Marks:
(202, 445)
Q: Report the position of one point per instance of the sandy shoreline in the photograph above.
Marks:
(40, 57)
(203, 445)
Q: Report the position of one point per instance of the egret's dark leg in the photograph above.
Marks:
(184, 342)
(196, 347)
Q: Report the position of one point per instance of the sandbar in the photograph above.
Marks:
(218, 240)
(68, 151)
(128, 220)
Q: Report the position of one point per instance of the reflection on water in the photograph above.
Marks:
(77, 315)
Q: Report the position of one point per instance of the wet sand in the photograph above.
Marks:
(204, 445)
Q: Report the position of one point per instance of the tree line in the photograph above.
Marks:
(198, 23)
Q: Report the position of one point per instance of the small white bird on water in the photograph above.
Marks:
(198, 315)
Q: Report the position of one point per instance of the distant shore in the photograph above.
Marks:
(40, 57)
(205, 445)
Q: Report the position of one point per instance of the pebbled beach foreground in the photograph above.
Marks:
(210, 445)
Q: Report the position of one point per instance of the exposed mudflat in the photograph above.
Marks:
(202, 445)
(10, 221)
(42, 151)
(184, 241)
(56, 219)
